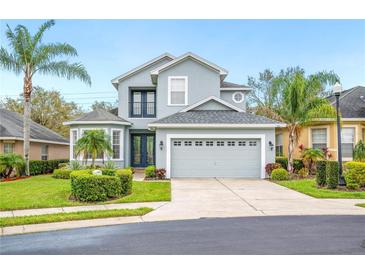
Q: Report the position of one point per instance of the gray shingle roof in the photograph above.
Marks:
(99, 115)
(214, 117)
(11, 125)
(225, 84)
(352, 102)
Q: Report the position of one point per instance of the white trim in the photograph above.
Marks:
(35, 140)
(209, 99)
(236, 89)
(96, 123)
(215, 136)
(319, 127)
(342, 119)
(72, 144)
(152, 125)
(169, 90)
(121, 140)
(133, 71)
(356, 138)
(238, 101)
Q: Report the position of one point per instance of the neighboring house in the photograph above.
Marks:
(45, 144)
(178, 113)
(323, 133)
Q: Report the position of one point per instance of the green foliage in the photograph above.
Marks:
(63, 165)
(352, 186)
(150, 172)
(297, 165)
(126, 179)
(161, 173)
(271, 166)
(310, 156)
(110, 165)
(61, 173)
(280, 174)
(283, 161)
(332, 168)
(355, 173)
(321, 172)
(109, 172)
(303, 172)
(104, 105)
(37, 167)
(10, 162)
(86, 187)
(359, 152)
(93, 142)
(131, 169)
(74, 165)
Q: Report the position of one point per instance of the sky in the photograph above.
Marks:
(109, 48)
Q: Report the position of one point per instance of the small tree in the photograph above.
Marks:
(311, 156)
(93, 143)
(10, 162)
(359, 152)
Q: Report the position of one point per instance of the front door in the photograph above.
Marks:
(143, 150)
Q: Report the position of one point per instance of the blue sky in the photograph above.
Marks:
(109, 48)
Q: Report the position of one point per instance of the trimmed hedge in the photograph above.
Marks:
(150, 172)
(280, 174)
(87, 187)
(321, 172)
(126, 178)
(283, 161)
(62, 173)
(44, 166)
(332, 175)
(107, 171)
(355, 174)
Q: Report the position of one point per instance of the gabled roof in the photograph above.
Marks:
(352, 102)
(211, 98)
(232, 86)
(189, 55)
(98, 116)
(11, 127)
(215, 119)
(166, 55)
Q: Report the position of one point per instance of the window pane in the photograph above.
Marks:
(319, 145)
(347, 150)
(319, 136)
(136, 150)
(348, 135)
(74, 140)
(116, 144)
(177, 98)
(279, 139)
(150, 150)
(177, 84)
(137, 96)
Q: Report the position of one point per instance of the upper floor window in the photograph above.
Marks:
(347, 141)
(44, 152)
(238, 97)
(143, 103)
(178, 90)
(319, 138)
(8, 148)
(279, 145)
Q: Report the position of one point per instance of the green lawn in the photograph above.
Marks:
(309, 187)
(361, 205)
(61, 217)
(44, 191)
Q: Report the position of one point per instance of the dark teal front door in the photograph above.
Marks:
(143, 150)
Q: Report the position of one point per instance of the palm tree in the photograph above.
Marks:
(29, 56)
(94, 143)
(10, 162)
(310, 156)
(301, 103)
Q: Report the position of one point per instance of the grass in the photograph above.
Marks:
(361, 205)
(43, 191)
(61, 217)
(309, 187)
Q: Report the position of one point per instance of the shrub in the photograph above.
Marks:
(321, 172)
(10, 162)
(359, 152)
(74, 165)
(297, 164)
(61, 173)
(86, 187)
(109, 172)
(303, 172)
(332, 174)
(161, 173)
(283, 161)
(355, 173)
(131, 169)
(44, 166)
(150, 172)
(280, 174)
(126, 178)
(352, 186)
(271, 166)
(63, 165)
(109, 165)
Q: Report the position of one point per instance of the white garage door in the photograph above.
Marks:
(215, 158)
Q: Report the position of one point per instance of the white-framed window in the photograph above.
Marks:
(8, 148)
(220, 143)
(177, 143)
(74, 138)
(241, 143)
(177, 90)
(319, 138)
(187, 143)
(347, 141)
(238, 97)
(231, 143)
(198, 143)
(279, 145)
(44, 152)
(116, 143)
(101, 155)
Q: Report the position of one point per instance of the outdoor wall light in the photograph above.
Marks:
(161, 145)
(271, 145)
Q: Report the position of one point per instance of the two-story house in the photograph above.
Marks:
(178, 113)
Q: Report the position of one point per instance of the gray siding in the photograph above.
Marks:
(227, 96)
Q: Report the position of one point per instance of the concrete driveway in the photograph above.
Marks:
(226, 197)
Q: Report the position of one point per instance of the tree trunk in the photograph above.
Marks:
(27, 90)
(291, 149)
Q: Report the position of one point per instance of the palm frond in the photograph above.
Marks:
(9, 62)
(39, 35)
(43, 54)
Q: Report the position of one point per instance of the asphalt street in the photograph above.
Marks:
(248, 235)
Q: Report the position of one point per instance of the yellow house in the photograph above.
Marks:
(323, 133)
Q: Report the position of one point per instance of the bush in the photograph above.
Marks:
(74, 165)
(161, 173)
(61, 173)
(109, 172)
(283, 161)
(131, 169)
(359, 152)
(352, 186)
(280, 174)
(10, 162)
(271, 166)
(298, 164)
(126, 178)
(303, 172)
(63, 165)
(355, 173)
(321, 172)
(332, 174)
(109, 165)
(150, 172)
(44, 166)
(86, 187)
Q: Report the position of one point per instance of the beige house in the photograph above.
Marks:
(323, 133)
(45, 144)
